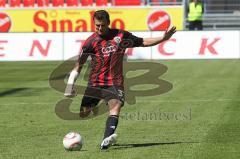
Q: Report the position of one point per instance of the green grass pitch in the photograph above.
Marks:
(200, 115)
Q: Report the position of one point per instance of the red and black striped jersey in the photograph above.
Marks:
(107, 53)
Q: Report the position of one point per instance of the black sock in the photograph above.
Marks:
(111, 125)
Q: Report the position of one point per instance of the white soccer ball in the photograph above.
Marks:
(73, 141)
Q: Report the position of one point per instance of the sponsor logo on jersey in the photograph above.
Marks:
(109, 49)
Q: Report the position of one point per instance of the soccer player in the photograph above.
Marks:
(106, 47)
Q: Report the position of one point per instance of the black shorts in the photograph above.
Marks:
(93, 95)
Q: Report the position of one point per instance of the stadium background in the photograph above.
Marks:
(200, 113)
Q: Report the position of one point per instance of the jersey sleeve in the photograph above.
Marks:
(134, 41)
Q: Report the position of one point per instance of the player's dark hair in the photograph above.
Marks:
(101, 15)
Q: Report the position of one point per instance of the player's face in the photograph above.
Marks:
(101, 26)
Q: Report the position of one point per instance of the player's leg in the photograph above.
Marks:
(112, 120)
(111, 123)
(87, 106)
(89, 101)
(115, 100)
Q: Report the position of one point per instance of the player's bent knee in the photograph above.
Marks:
(114, 111)
(85, 111)
(114, 107)
(114, 102)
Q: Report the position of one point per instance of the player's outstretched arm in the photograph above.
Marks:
(154, 41)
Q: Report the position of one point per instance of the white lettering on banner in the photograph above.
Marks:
(159, 21)
(37, 44)
(162, 50)
(2, 48)
(205, 45)
(4, 21)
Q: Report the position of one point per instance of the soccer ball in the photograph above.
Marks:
(73, 141)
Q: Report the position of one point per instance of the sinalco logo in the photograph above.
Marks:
(158, 20)
(5, 22)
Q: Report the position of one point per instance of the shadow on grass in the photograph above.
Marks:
(75, 151)
(12, 91)
(124, 146)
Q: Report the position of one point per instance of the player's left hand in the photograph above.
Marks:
(169, 32)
